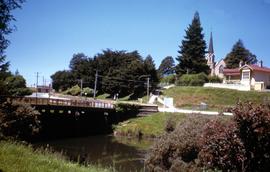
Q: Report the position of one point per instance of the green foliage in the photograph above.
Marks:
(239, 53)
(119, 72)
(192, 51)
(88, 92)
(6, 7)
(74, 91)
(19, 157)
(178, 149)
(168, 79)
(18, 120)
(16, 86)
(192, 80)
(62, 80)
(214, 79)
(242, 144)
(166, 66)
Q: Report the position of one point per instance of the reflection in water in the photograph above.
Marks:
(103, 150)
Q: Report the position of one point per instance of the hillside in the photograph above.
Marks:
(216, 98)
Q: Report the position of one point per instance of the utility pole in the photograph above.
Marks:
(37, 87)
(95, 88)
(148, 79)
(81, 87)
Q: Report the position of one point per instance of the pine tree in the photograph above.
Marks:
(192, 51)
(239, 53)
(166, 66)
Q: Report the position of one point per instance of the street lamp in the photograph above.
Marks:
(148, 80)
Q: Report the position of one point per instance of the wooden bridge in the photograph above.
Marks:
(78, 104)
(62, 102)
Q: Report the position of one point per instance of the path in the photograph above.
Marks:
(172, 109)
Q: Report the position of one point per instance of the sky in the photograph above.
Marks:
(49, 32)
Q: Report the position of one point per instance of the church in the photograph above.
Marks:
(245, 77)
(215, 68)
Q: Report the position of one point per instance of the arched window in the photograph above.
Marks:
(221, 68)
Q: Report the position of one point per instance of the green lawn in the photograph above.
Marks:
(15, 157)
(150, 126)
(216, 98)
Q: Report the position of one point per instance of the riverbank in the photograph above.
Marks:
(18, 157)
(147, 126)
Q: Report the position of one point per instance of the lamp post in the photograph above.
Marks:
(147, 82)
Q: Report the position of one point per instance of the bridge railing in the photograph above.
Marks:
(62, 102)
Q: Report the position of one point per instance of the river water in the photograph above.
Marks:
(122, 154)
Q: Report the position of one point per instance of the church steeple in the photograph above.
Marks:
(211, 56)
(211, 47)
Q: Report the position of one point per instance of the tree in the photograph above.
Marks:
(166, 66)
(16, 86)
(239, 53)
(62, 80)
(150, 68)
(192, 51)
(6, 6)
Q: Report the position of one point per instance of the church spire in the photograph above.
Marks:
(211, 48)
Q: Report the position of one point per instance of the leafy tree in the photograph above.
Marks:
(239, 53)
(6, 6)
(18, 120)
(16, 86)
(167, 66)
(62, 80)
(192, 51)
(150, 69)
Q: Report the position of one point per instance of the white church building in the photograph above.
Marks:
(245, 77)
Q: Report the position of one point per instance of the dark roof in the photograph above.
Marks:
(231, 72)
(211, 47)
(257, 68)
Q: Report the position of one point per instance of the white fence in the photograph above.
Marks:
(240, 87)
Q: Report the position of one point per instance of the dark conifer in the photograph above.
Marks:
(192, 51)
(239, 53)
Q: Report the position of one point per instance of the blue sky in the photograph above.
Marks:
(50, 32)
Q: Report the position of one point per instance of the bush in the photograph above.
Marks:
(74, 91)
(179, 148)
(18, 120)
(214, 79)
(192, 80)
(88, 92)
(242, 145)
(170, 79)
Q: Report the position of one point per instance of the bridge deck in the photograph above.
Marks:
(63, 102)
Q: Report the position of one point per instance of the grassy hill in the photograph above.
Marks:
(216, 98)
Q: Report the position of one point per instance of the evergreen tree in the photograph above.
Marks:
(166, 66)
(239, 53)
(192, 51)
(150, 68)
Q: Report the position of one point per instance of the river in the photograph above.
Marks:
(122, 154)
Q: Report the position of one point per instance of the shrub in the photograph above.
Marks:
(168, 79)
(88, 92)
(74, 91)
(214, 79)
(241, 145)
(221, 148)
(178, 149)
(192, 80)
(18, 120)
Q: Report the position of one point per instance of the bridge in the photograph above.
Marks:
(76, 117)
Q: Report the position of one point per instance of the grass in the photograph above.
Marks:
(17, 157)
(216, 98)
(148, 126)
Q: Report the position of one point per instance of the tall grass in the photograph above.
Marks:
(17, 157)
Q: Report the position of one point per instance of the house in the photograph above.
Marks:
(43, 89)
(254, 77)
